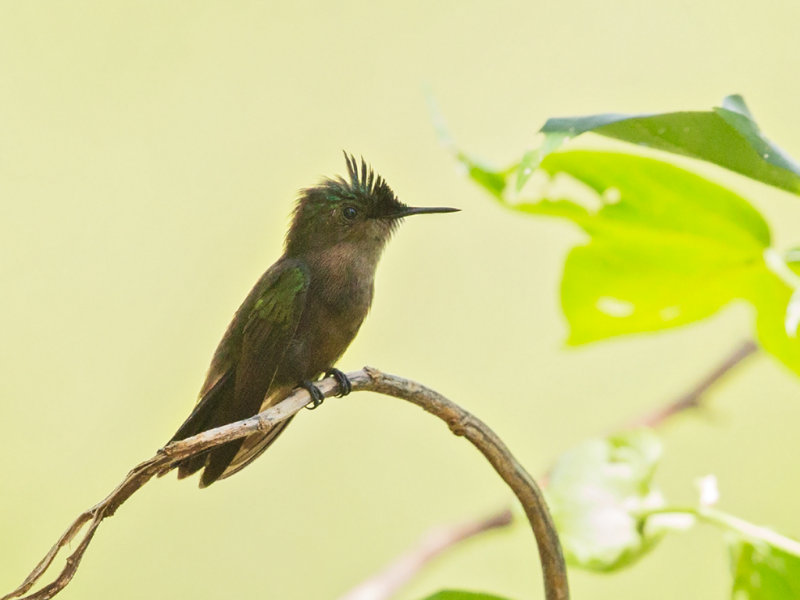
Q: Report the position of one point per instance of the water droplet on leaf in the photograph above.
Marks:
(612, 195)
(614, 307)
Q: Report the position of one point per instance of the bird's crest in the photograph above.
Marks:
(365, 181)
(362, 187)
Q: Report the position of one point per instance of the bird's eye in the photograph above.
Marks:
(349, 212)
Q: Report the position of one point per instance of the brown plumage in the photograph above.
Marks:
(300, 316)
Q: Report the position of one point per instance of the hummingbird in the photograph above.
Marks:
(300, 316)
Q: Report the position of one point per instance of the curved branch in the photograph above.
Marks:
(460, 422)
(484, 439)
(401, 570)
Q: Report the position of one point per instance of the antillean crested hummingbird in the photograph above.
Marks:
(301, 315)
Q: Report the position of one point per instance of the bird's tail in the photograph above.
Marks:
(224, 460)
(247, 450)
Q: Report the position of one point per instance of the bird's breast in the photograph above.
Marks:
(334, 310)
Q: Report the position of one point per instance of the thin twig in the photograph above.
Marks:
(460, 422)
(691, 399)
(384, 584)
(436, 541)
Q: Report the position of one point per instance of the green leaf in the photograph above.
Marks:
(461, 595)
(772, 298)
(666, 246)
(493, 182)
(763, 572)
(727, 136)
(596, 492)
(531, 161)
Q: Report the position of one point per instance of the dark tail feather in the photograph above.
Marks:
(202, 418)
(223, 462)
(217, 460)
(196, 423)
(190, 466)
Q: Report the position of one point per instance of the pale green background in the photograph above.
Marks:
(149, 156)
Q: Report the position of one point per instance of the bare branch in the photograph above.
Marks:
(384, 584)
(460, 422)
(691, 399)
(435, 542)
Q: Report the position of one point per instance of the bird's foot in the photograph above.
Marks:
(345, 387)
(316, 395)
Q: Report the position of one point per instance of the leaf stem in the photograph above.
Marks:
(723, 520)
(778, 266)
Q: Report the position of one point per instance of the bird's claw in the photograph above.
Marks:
(345, 387)
(316, 395)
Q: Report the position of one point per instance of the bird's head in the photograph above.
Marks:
(362, 210)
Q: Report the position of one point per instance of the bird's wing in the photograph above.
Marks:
(271, 324)
(246, 361)
(269, 329)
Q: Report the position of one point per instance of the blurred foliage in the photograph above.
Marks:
(596, 493)
(461, 595)
(763, 572)
(665, 247)
(609, 513)
(726, 135)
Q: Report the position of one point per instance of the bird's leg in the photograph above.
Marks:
(316, 396)
(344, 383)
